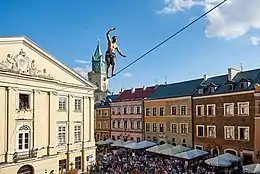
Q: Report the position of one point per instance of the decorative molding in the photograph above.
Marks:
(55, 93)
(21, 64)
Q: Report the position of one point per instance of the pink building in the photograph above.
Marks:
(127, 121)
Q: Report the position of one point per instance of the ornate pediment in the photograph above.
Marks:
(22, 64)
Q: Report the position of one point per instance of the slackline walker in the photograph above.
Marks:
(112, 45)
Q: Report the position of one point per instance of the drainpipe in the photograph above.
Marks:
(83, 135)
(68, 136)
(192, 121)
(7, 121)
(33, 120)
(49, 123)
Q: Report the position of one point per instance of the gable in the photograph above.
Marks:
(29, 59)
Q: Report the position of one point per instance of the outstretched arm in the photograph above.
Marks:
(108, 32)
(121, 54)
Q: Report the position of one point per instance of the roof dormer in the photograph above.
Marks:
(230, 85)
(244, 83)
(212, 87)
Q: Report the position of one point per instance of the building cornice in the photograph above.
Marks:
(167, 99)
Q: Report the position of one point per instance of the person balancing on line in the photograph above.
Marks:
(110, 53)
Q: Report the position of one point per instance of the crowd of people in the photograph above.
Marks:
(125, 161)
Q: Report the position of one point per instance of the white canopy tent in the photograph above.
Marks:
(174, 150)
(229, 157)
(218, 162)
(191, 154)
(158, 148)
(252, 168)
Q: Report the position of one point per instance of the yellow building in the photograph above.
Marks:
(168, 113)
(47, 111)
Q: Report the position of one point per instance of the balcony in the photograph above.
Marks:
(24, 155)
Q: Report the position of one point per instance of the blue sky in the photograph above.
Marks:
(70, 30)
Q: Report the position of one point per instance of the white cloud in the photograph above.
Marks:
(82, 61)
(83, 70)
(254, 40)
(232, 19)
(128, 75)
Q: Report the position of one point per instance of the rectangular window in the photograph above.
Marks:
(77, 106)
(161, 111)
(138, 125)
(132, 125)
(147, 127)
(161, 127)
(125, 124)
(78, 162)
(61, 134)
(211, 110)
(183, 110)
(243, 133)
(230, 87)
(201, 91)
(138, 110)
(228, 109)
(257, 107)
(184, 128)
(77, 133)
(200, 110)
(243, 108)
(154, 112)
(62, 103)
(132, 110)
(23, 141)
(147, 111)
(24, 101)
(229, 132)
(211, 131)
(118, 111)
(174, 128)
(174, 110)
(200, 131)
(125, 110)
(154, 127)
(62, 164)
(114, 124)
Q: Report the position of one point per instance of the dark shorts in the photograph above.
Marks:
(110, 58)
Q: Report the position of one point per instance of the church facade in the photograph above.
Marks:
(47, 112)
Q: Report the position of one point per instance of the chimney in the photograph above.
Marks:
(232, 73)
(132, 90)
(144, 88)
(205, 77)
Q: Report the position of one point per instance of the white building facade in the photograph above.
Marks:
(47, 112)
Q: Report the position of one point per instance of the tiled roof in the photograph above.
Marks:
(172, 90)
(253, 76)
(138, 94)
(106, 103)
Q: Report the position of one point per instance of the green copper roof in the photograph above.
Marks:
(98, 54)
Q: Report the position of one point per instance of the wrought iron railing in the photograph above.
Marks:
(24, 155)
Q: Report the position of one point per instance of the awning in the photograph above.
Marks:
(146, 144)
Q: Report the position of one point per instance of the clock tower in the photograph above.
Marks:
(98, 75)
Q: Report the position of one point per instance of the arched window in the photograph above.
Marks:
(23, 138)
(27, 169)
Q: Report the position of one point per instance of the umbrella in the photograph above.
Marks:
(146, 144)
(218, 162)
(191, 154)
(117, 143)
(109, 141)
(174, 150)
(133, 146)
(229, 157)
(101, 142)
(252, 168)
(158, 148)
